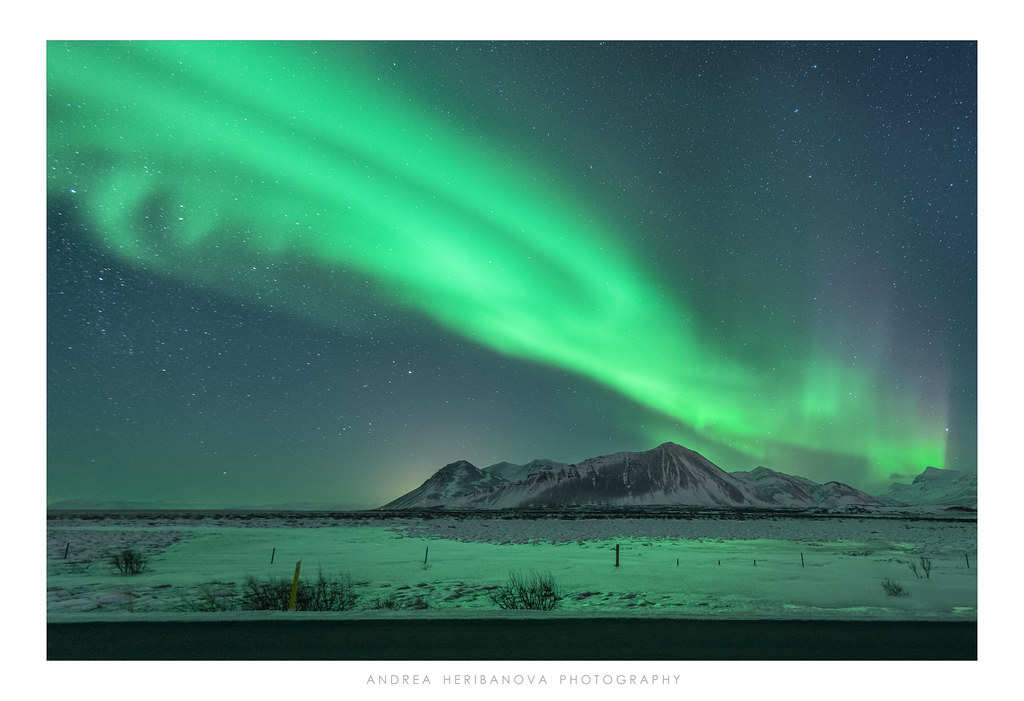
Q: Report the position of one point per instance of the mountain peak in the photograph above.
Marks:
(669, 446)
(935, 473)
(935, 486)
(459, 465)
(454, 480)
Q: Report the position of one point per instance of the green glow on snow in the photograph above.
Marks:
(216, 162)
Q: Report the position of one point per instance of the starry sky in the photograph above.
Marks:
(318, 271)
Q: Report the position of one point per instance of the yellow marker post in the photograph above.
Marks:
(295, 586)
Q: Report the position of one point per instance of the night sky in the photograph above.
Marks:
(317, 272)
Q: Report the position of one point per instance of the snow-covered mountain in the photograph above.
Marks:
(790, 490)
(448, 485)
(513, 473)
(937, 487)
(667, 475)
(787, 490)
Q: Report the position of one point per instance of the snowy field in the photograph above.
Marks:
(709, 566)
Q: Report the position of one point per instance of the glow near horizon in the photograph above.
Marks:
(196, 160)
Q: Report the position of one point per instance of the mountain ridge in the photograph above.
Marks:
(668, 474)
(937, 487)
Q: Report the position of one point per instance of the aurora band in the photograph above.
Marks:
(217, 162)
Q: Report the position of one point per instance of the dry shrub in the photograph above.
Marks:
(129, 561)
(893, 588)
(323, 594)
(530, 591)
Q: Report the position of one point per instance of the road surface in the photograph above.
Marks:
(503, 639)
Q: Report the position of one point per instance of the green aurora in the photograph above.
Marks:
(212, 162)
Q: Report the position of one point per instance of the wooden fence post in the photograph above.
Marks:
(295, 586)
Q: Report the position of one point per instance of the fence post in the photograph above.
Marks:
(426, 554)
(616, 554)
(801, 559)
(68, 547)
(295, 586)
(968, 561)
(272, 553)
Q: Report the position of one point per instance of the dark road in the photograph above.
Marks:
(474, 639)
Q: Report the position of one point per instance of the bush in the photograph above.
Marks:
(926, 567)
(266, 596)
(323, 594)
(893, 588)
(532, 591)
(129, 561)
(334, 594)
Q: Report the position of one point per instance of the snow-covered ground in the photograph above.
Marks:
(780, 567)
